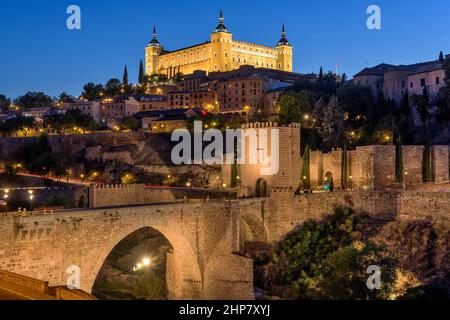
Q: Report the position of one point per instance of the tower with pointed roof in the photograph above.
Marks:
(221, 45)
(284, 52)
(152, 54)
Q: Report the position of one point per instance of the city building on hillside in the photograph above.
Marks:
(35, 112)
(242, 90)
(152, 102)
(90, 108)
(194, 99)
(119, 107)
(166, 120)
(222, 53)
(395, 81)
(242, 94)
(160, 88)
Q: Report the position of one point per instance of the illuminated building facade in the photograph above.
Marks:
(222, 53)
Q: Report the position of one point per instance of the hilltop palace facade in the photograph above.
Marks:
(220, 54)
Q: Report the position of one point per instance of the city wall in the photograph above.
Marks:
(104, 195)
(270, 219)
(75, 143)
(373, 167)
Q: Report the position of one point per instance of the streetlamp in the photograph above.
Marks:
(404, 179)
(146, 262)
(6, 196)
(31, 198)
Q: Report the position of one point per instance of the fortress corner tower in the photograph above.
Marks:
(222, 53)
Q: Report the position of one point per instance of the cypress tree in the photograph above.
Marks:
(141, 73)
(234, 175)
(426, 163)
(399, 161)
(344, 172)
(306, 176)
(321, 73)
(125, 76)
(441, 57)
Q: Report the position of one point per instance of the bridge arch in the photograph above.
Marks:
(252, 229)
(183, 276)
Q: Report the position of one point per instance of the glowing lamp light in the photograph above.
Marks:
(146, 262)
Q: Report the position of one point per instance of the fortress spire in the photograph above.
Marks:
(154, 41)
(283, 41)
(221, 26)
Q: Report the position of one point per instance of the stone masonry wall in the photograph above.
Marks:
(373, 167)
(201, 266)
(283, 211)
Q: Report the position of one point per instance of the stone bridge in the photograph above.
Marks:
(204, 236)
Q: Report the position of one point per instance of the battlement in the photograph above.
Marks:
(255, 125)
(288, 190)
(118, 186)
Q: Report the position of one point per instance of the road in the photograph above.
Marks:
(63, 180)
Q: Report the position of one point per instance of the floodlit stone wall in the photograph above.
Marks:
(203, 237)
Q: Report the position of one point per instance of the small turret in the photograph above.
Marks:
(283, 41)
(221, 26)
(154, 41)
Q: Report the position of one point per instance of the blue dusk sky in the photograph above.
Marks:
(39, 53)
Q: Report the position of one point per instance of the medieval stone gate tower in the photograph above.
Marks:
(252, 181)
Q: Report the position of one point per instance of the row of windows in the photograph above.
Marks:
(254, 84)
(423, 82)
(243, 92)
(191, 95)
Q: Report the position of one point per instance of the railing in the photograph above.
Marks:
(10, 214)
(25, 282)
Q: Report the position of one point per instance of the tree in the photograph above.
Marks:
(399, 171)
(404, 105)
(326, 260)
(356, 101)
(141, 73)
(112, 87)
(344, 172)
(16, 124)
(330, 122)
(92, 91)
(33, 100)
(426, 162)
(441, 57)
(130, 123)
(289, 108)
(321, 73)
(306, 171)
(422, 103)
(344, 78)
(5, 103)
(66, 98)
(75, 118)
(125, 76)
(234, 175)
(297, 107)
